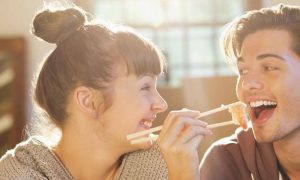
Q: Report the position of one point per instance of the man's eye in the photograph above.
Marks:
(269, 68)
(243, 71)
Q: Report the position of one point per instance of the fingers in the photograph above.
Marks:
(195, 142)
(181, 127)
(191, 132)
(177, 119)
(181, 113)
(179, 139)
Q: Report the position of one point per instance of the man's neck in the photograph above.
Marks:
(288, 154)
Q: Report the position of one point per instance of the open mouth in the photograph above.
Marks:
(146, 123)
(263, 109)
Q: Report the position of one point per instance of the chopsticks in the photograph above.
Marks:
(133, 136)
(153, 137)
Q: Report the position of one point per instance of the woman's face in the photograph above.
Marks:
(135, 103)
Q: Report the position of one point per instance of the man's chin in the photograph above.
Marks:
(263, 138)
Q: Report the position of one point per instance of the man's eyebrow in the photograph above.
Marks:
(263, 56)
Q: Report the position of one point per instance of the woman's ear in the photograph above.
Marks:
(86, 100)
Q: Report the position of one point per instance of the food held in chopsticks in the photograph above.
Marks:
(239, 115)
(237, 109)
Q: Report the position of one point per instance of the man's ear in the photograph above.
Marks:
(86, 100)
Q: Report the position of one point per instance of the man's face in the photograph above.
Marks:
(269, 83)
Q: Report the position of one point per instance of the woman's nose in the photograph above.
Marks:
(159, 104)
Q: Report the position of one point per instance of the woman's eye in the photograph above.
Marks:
(146, 87)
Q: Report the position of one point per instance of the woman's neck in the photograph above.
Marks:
(86, 157)
(287, 151)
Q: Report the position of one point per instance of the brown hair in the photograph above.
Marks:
(281, 17)
(86, 54)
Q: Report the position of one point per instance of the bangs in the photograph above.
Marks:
(139, 54)
(145, 62)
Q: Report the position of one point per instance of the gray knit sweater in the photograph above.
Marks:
(33, 159)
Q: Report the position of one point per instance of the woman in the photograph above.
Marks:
(97, 86)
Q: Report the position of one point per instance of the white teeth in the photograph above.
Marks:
(261, 102)
(147, 123)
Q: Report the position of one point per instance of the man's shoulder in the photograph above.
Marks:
(238, 156)
(232, 148)
(227, 157)
(239, 138)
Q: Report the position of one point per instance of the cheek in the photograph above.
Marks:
(289, 89)
(289, 80)
(138, 101)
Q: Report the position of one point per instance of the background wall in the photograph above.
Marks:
(274, 2)
(15, 20)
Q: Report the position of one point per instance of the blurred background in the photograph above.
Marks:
(187, 31)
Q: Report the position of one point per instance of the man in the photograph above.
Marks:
(265, 45)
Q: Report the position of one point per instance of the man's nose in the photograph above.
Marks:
(252, 82)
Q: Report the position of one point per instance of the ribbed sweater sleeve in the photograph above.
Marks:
(144, 165)
(32, 159)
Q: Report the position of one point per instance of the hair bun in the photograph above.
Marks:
(56, 26)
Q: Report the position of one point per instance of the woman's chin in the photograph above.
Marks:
(142, 146)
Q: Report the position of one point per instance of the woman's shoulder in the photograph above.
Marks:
(144, 164)
(17, 163)
(26, 150)
(32, 158)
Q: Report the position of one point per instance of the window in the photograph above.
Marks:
(187, 31)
